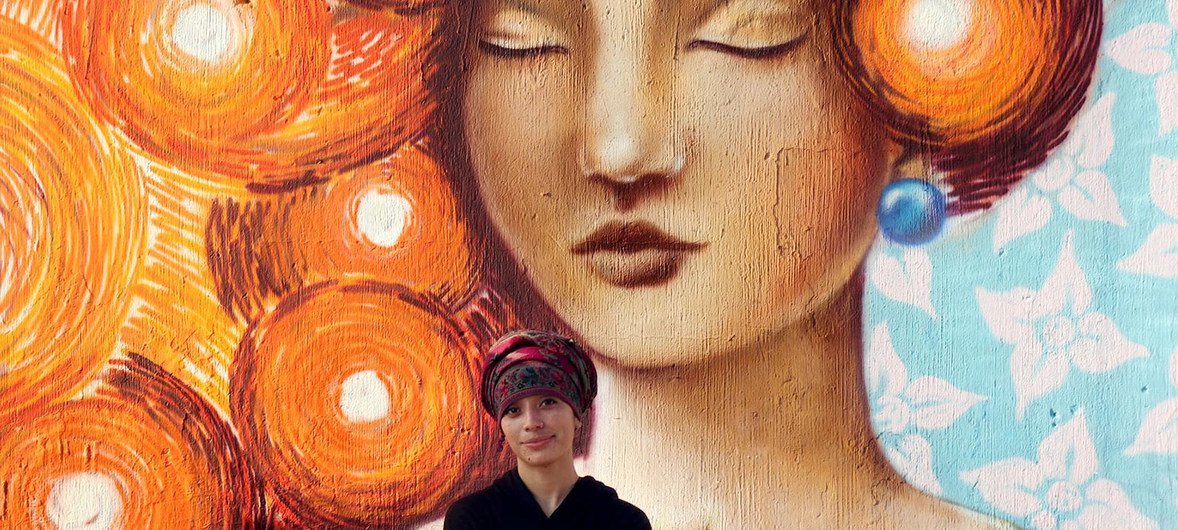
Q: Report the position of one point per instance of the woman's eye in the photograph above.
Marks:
(760, 52)
(529, 52)
(511, 411)
(548, 401)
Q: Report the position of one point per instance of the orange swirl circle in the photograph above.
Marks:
(964, 75)
(357, 403)
(192, 81)
(73, 223)
(372, 99)
(142, 451)
(396, 220)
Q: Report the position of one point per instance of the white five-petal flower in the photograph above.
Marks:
(901, 406)
(1062, 489)
(1151, 49)
(1053, 329)
(1074, 177)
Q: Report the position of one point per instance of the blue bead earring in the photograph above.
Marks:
(911, 211)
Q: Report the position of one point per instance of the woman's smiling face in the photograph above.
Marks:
(676, 178)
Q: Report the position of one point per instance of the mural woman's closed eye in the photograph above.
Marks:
(499, 48)
(521, 32)
(752, 30)
(755, 52)
(507, 51)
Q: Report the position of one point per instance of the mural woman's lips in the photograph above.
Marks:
(634, 254)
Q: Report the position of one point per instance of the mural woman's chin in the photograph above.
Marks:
(633, 337)
(673, 325)
(640, 350)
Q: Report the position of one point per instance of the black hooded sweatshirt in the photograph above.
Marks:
(509, 505)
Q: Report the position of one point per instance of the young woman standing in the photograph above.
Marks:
(540, 386)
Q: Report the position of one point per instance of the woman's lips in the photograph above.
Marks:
(536, 444)
(635, 254)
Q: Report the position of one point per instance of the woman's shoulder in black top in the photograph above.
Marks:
(507, 504)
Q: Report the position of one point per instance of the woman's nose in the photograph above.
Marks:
(532, 419)
(629, 128)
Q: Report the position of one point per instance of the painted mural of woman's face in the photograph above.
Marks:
(677, 178)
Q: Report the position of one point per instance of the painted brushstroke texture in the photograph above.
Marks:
(1015, 78)
(395, 220)
(72, 212)
(277, 106)
(140, 450)
(239, 286)
(387, 430)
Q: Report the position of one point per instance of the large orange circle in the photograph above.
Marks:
(984, 89)
(144, 66)
(73, 229)
(372, 99)
(429, 441)
(165, 456)
(966, 90)
(285, 95)
(334, 231)
(395, 220)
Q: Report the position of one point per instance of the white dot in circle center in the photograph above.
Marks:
(202, 32)
(89, 501)
(939, 24)
(364, 398)
(381, 217)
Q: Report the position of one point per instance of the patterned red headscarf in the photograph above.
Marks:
(529, 363)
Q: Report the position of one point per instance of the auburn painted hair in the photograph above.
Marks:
(988, 105)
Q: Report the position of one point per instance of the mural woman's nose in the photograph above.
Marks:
(629, 121)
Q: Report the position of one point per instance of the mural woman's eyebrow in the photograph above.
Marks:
(746, 9)
(528, 6)
(712, 6)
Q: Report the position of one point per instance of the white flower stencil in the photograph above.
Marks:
(1074, 177)
(1149, 49)
(900, 407)
(1158, 255)
(1053, 329)
(907, 278)
(1159, 429)
(1062, 489)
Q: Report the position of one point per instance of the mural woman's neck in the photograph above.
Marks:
(792, 408)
